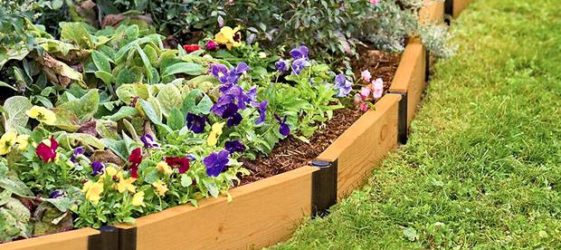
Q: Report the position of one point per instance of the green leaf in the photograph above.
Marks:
(190, 104)
(101, 61)
(78, 33)
(184, 68)
(124, 112)
(151, 112)
(82, 139)
(147, 65)
(15, 186)
(62, 203)
(4, 84)
(14, 112)
(127, 92)
(129, 75)
(169, 98)
(176, 119)
(186, 181)
(84, 107)
(106, 77)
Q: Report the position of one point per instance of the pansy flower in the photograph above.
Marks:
(75, 153)
(42, 114)
(161, 188)
(138, 199)
(229, 37)
(300, 52)
(148, 141)
(135, 158)
(262, 109)
(164, 168)
(298, 65)
(234, 146)
(378, 87)
(211, 45)
(93, 191)
(365, 76)
(22, 141)
(97, 168)
(282, 66)
(182, 163)
(189, 48)
(215, 163)
(215, 133)
(343, 85)
(46, 150)
(284, 129)
(7, 141)
(55, 194)
(196, 123)
(125, 184)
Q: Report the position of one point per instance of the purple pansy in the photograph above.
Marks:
(219, 71)
(300, 52)
(284, 129)
(298, 65)
(216, 162)
(148, 141)
(97, 168)
(75, 153)
(234, 146)
(55, 194)
(343, 85)
(196, 123)
(234, 120)
(262, 108)
(282, 65)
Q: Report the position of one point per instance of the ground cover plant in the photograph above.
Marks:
(104, 119)
(481, 168)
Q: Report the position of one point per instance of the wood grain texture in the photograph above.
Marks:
(364, 144)
(459, 6)
(260, 214)
(410, 76)
(432, 12)
(71, 240)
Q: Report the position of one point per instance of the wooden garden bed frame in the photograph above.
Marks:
(269, 211)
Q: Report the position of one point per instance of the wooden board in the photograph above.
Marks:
(459, 6)
(432, 12)
(410, 76)
(260, 214)
(71, 240)
(364, 144)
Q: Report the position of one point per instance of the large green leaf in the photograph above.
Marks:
(85, 107)
(127, 92)
(101, 61)
(192, 69)
(197, 103)
(15, 186)
(14, 112)
(78, 33)
(151, 112)
(169, 98)
(124, 112)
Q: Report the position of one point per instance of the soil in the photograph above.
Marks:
(293, 153)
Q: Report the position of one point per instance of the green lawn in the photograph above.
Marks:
(483, 165)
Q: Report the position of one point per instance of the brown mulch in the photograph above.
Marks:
(293, 153)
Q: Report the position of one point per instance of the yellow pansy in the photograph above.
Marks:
(110, 171)
(93, 191)
(22, 141)
(42, 114)
(160, 187)
(125, 184)
(215, 132)
(138, 199)
(227, 36)
(163, 167)
(7, 141)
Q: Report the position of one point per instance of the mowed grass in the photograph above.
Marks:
(482, 169)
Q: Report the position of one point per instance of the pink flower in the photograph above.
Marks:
(46, 152)
(211, 45)
(363, 106)
(378, 87)
(365, 92)
(357, 99)
(366, 76)
(375, 2)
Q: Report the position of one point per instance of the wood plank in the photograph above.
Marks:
(364, 144)
(459, 6)
(410, 76)
(260, 214)
(432, 12)
(71, 240)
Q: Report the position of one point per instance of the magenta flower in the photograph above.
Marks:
(375, 2)
(211, 45)
(215, 163)
(47, 153)
(135, 158)
(181, 163)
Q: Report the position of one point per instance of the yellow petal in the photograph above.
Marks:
(7, 141)
(215, 132)
(23, 142)
(42, 114)
(163, 167)
(138, 199)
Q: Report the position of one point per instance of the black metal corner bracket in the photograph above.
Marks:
(427, 65)
(448, 11)
(402, 128)
(108, 239)
(324, 187)
(127, 238)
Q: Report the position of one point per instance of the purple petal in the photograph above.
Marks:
(97, 168)
(216, 162)
(234, 146)
(196, 123)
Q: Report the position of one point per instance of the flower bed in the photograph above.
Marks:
(133, 128)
